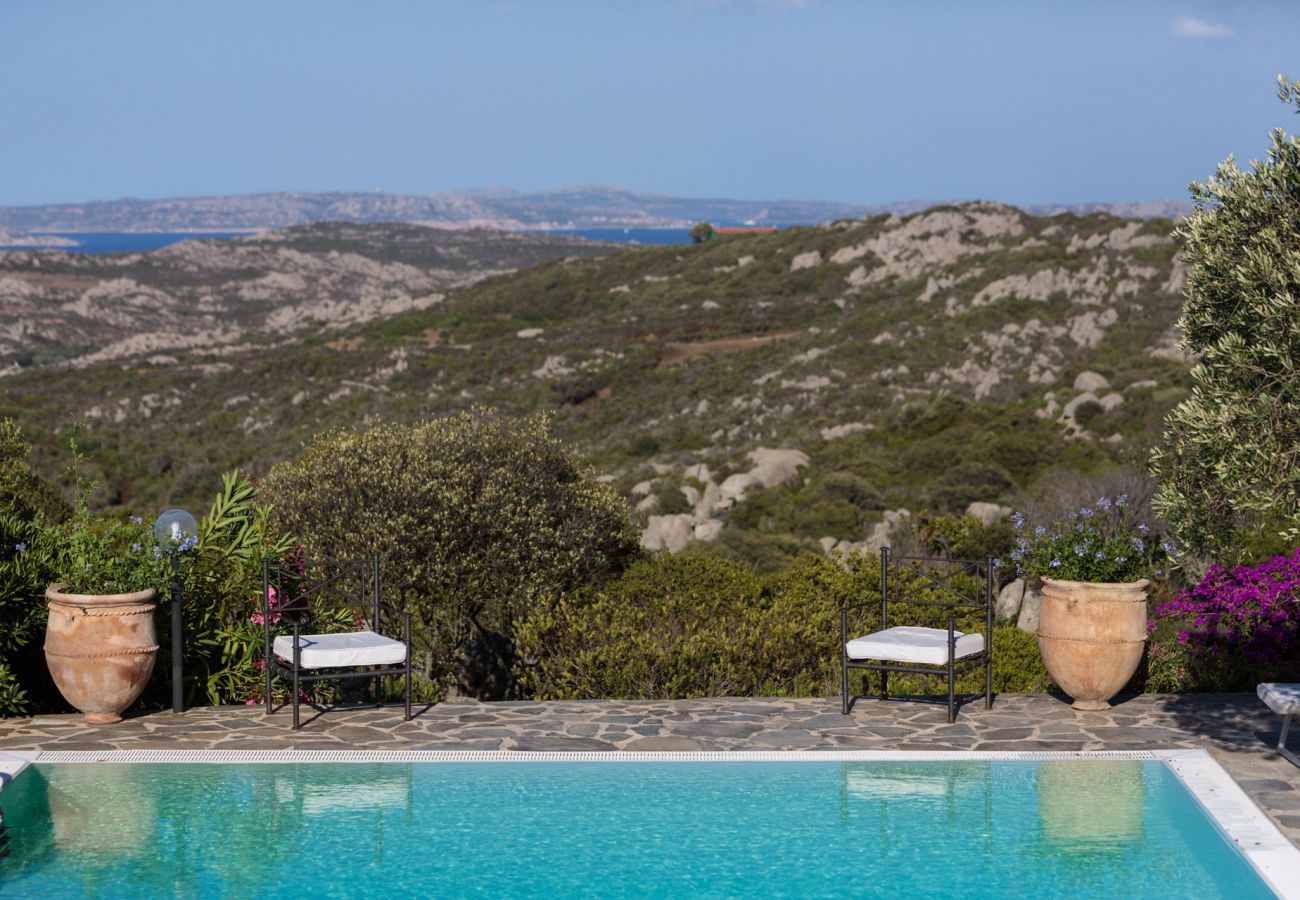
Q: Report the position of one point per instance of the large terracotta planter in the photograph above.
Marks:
(100, 649)
(1092, 637)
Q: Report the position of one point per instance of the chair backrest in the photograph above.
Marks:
(952, 583)
(295, 585)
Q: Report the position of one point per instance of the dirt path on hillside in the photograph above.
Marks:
(675, 353)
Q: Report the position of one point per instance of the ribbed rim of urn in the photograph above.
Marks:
(1140, 584)
(53, 593)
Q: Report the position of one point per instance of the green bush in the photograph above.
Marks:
(852, 489)
(964, 537)
(968, 482)
(27, 562)
(765, 552)
(476, 515)
(695, 625)
(1085, 413)
(27, 556)
(837, 518)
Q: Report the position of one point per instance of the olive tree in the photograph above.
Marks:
(1229, 462)
(476, 515)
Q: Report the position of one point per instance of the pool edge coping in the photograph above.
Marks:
(1237, 817)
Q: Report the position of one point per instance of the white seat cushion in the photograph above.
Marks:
(1283, 699)
(906, 644)
(353, 648)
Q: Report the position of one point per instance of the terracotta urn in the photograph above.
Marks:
(100, 649)
(1092, 636)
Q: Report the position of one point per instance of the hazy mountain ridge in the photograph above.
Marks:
(955, 355)
(579, 207)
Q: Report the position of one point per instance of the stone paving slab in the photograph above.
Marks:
(1236, 728)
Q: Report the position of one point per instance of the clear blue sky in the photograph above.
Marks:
(859, 102)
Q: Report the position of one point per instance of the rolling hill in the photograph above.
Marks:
(765, 393)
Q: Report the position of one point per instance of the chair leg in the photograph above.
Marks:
(406, 635)
(884, 685)
(1281, 742)
(952, 674)
(297, 665)
(844, 662)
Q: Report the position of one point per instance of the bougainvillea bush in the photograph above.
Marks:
(1236, 628)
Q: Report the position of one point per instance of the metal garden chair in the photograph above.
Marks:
(915, 649)
(290, 595)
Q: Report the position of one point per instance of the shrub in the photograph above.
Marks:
(23, 492)
(969, 482)
(690, 625)
(27, 556)
(28, 504)
(852, 489)
(964, 537)
(1085, 413)
(837, 518)
(476, 516)
(1235, 628)
(695, 625)
(765, 552)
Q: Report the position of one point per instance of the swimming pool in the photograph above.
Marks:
(501, 824)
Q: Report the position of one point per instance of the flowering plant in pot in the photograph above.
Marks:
(100, 640)
(1095, 564)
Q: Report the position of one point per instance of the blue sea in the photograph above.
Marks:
(137, 241)
(124, 241)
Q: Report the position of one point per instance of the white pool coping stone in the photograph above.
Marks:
(1243, 824)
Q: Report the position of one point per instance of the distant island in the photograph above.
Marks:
(581, 207)
(21, 239)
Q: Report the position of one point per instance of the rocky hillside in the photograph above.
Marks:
(763, 393)
(209, 296)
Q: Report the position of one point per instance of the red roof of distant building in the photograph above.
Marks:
(747, 229)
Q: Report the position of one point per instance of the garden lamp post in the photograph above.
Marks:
(177, 531)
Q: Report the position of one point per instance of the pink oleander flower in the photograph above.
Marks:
(272, 601)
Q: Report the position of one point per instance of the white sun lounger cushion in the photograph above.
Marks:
(906, 644)
(355, 648)
(1283, 699)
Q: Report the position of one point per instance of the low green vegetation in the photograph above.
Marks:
(694, 625)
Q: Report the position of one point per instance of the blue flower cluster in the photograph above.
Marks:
(1098, 542)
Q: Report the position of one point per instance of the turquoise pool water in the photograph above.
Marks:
(1067, 828)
